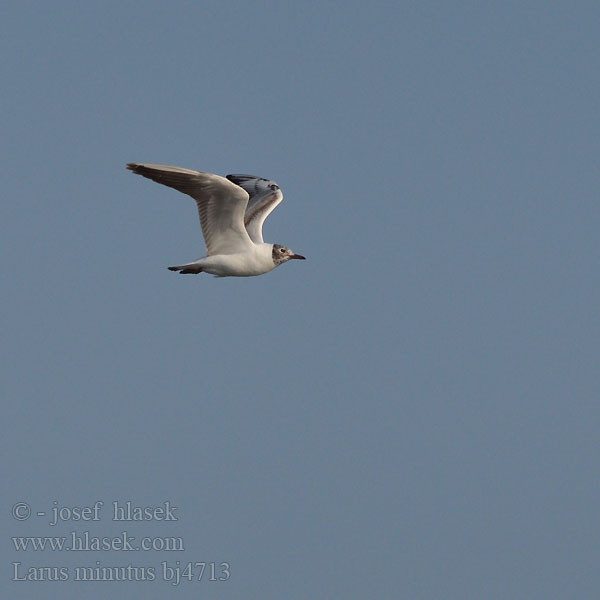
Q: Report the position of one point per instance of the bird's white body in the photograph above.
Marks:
(232, 211)
(256, 261)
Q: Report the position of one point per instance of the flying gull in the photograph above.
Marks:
(232, 212)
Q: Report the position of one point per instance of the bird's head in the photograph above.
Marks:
(282, 254)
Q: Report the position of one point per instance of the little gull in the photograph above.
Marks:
(232, 211)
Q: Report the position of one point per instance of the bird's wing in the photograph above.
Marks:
(265, 195)
(221, 204)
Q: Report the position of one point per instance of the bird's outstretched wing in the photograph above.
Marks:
(265, 195)
(221, 204)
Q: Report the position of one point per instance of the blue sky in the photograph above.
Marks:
(409, 413)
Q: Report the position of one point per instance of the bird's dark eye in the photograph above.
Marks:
(282, 250)
(274, 186)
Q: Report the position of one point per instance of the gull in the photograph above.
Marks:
(232, 212)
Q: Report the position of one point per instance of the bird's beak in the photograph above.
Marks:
(298, 256)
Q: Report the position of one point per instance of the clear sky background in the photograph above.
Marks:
(412, 412)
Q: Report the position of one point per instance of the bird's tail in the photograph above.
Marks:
(193, 268)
